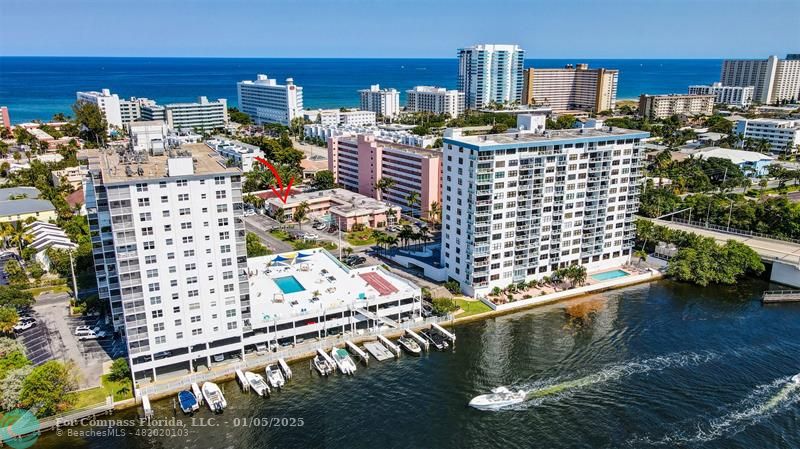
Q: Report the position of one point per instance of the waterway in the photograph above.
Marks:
(656, 365)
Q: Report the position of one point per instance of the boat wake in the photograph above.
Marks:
(765, 401)
(555, 389)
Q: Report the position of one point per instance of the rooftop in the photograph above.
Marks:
(144, 166)
(27, 203)
(343, 202)
(735, 156)
(320, 283)
(515, 138)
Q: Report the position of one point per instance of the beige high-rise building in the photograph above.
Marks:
(663, 106)
(571, 88)
(775, 80)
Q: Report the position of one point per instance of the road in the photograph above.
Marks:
(260, 225)
(766, 248)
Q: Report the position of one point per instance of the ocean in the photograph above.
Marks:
(38, 87)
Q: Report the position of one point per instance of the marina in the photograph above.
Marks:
(379, 351)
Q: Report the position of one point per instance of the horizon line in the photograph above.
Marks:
(374, 57)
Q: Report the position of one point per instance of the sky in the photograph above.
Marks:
(399, 28)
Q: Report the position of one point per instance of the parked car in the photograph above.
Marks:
(249, 212)
(24, 323)
(219, 357)
(89, 334)
(311, 236)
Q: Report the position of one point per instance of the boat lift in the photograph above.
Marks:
(287, 372)
(425, 344)
(242, 380)
(197, 393)
(447, 334)
(358, 351)
(327, 358)
(391, 346)
(148, 410)
(377, 350)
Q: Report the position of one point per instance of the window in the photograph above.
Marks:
(152, 273)
(219, 180)
(225, 249)
(144, 202)
(179, 335)
(183, 197)
(232, 325)
(157, 313)
(149, 245)
(188, 253)
(186, 225)
(190, 267)
(155, 300)
(158, 327)
(197, 331)
(146, 216)
(149, 259)
(222, 222)
(224, 235)
(161, 340)
(165, 213)
(188, 239)
(184, 211)
(154, 287)
(141, 187)
(220, 195)
(222, 208)
(182, 183)
(147, 231)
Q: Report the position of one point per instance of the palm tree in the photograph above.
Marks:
(412, 199)
(383, 185)
(435, 212)
(347, 250)
(405, 234)
(576, 274)
(391, 242)
(300, 213)
(18, 236)
(280, 217)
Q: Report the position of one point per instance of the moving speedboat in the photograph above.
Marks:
(322, 366)
(257, 383)
(409, 345)
(436, 339)
(499, 397)
(343, 361)
(274, 376)
(188, 402)
(213, 397)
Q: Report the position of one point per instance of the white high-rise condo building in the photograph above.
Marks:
(517, 206)
(775, 80)
(108, 103)
(169, 253)
(335, 117)
(783, 135)
(490, 73)
(266, 101)
(385, 102)
(437, 100)
(203, 115)
(738, 96)
(131, 109)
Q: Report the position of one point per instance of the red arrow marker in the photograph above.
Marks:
(283, 195)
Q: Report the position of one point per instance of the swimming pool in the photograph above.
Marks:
(609, 275)
(289, 284)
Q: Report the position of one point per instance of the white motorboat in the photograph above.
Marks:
(410, 345)
(499, 397)
(274, 376)
(257, 383)
(322, 366)
(213, 397)
(796, 378)
(287, 372)
(343, 361)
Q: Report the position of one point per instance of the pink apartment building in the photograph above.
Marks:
(358, 162)
(5, 120)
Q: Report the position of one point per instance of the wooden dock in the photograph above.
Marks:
(378, 350)
(777, 296)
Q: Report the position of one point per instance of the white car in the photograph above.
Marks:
(249, 213)
(311, 236)
(89, 334)
(24, 324)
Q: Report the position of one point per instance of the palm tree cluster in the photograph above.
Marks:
(384, 241)
(408, 235)
(574, 274)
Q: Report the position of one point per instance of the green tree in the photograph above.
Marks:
(237, 116)
(48, 388)
(323, 180)
(91, 122)
(8, 319)
(16, 275)
(280, 216)
(8, 345)
(120, 371)
(383, 185)
(11, 387)
(254, 246)
(11, 361)
(412, 199)
(443, 306)
(300, 213)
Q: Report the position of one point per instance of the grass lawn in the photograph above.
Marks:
(471, 307)
(280, 233)
(93, 396)
(302, 244)
(360, 238)
(49, 288)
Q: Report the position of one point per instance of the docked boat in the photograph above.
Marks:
(257, 383)
(343, 361)
(436, 339)
(274, 376)
(322, 366)
(499, 397)
(213, 397)
(287, 372)
(188, 402)
(409, 345)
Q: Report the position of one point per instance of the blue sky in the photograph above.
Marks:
(399, 28)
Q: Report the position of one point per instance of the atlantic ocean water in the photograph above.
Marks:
(38, 87)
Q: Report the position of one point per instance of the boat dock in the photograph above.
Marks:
(242, 380)
(389, 345)
(447, 334)
(357, 351)
(425, 344)
(148, 410)
(287, 372)
(778, 296)
(378, 351)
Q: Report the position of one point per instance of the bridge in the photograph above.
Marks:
(783, 255)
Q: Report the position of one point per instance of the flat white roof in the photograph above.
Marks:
(315, 273)
(735, 156)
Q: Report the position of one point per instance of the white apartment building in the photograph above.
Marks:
(384, 102)
(437, 100)
(663, 106)
(401, 137)
(239, 153)
(148, 136)
(490, 73)
(266, 101)
(519, 205)
(782, 135)
(775, 80)
(130, 110)
(739, 96)
(108, 103)
(202, 115)
(170, 257)
(334, 117)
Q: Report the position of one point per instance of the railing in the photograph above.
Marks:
(70, 418)
(733, 231)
